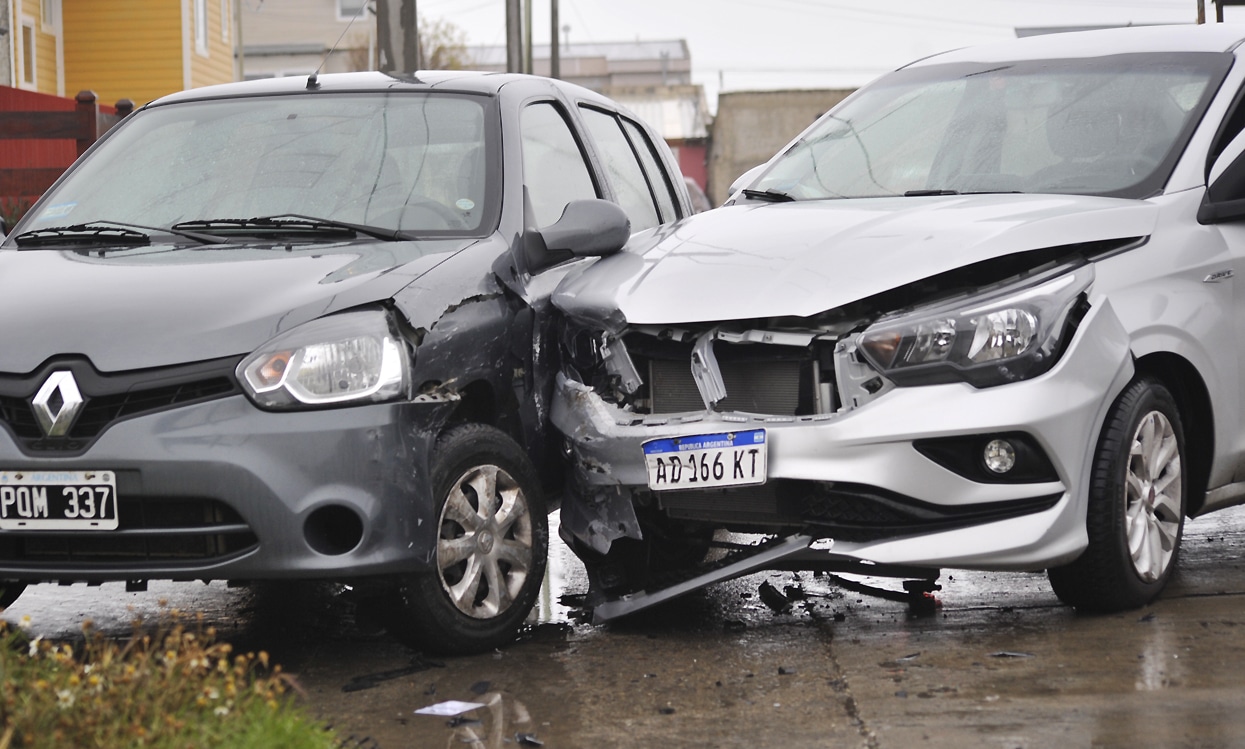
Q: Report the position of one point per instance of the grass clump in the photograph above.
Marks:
(177, 688)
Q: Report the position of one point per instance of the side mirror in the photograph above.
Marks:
(587, 228)
(746, 179)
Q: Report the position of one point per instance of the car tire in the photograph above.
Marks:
(1136, 510)
(490, 556)
(10, 591)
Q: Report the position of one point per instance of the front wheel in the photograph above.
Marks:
(1136, 507)
(492, 546)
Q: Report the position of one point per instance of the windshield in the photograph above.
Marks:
(1111, 125)
(409, 163)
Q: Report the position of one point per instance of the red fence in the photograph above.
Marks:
(41, 135)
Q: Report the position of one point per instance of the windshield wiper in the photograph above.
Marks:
(926, 193)
(771, 195)
(103, 232)
(93, 233)
(289, 223)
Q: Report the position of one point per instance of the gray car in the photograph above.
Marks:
(983, 314)
(297, 329)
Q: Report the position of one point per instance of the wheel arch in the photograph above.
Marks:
(1187, 387)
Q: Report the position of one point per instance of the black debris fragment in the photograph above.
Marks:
(481, 687)
(527, 739)
(462, 720)
(367, 681)
(784, 671)
(773, 598)
(666, 710)
(839, 616)
(1010, 654)
(794, 592)
(908, 657)
(1148, 617)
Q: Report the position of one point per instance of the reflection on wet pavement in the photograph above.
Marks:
(777, 658)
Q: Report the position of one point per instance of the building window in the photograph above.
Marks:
(348, 9)
(50, 10)
(27, 53)
(201, 27)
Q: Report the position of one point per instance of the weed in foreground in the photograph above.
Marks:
(175, 688)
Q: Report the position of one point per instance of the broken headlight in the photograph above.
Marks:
(344, 359)
(1006, 334)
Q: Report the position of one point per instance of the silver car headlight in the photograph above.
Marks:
(356, 357)
(1006, 334)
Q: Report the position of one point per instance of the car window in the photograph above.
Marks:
(622, 169)
(554, 170)
(409, 162)
(1099, 126)
(658, 179)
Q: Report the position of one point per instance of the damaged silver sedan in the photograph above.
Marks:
(296, 329)
(980, 315)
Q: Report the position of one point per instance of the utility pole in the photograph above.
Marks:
(514, 37)
(397, 36)
(527, 36)
(555, 47)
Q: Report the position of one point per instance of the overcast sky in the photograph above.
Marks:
(741, 45)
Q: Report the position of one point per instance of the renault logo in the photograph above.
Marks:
(57, 403)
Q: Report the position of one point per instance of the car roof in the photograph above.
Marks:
(424, 80)
(1210, 37)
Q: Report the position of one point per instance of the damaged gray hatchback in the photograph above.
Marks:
(983, 314)
(295, 329)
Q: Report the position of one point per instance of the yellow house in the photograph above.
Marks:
(131, 49)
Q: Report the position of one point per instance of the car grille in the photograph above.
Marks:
(153, 530)
(109, 398)
(763, 387)
(850, 512)
(759, 378)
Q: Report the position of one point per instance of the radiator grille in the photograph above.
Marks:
(752, 386)
(157, 530)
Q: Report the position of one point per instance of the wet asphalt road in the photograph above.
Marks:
(1000, 664)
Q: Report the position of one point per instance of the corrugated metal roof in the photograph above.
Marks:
(675, 49)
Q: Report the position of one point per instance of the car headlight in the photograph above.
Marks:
(350, 358)
(1011, 333)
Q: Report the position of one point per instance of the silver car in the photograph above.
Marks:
(983, 315)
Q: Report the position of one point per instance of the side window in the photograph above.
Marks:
(554, 170)
(657, 176)
(622, 169)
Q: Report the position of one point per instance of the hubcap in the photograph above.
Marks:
(1152, 497)
(484, 553)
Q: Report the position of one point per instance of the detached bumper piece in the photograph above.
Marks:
(790, 553)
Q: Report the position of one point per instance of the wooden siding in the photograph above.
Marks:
(45, 46)
(123, 50)
(217, 65)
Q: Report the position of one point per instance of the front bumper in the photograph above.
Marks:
(222, 490)
(855, 476)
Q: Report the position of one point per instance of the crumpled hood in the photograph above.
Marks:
(778, 259)
(161, 305)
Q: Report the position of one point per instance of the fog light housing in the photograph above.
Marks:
(999, 456)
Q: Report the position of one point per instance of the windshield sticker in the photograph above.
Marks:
(465, 204)
(60, 210)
